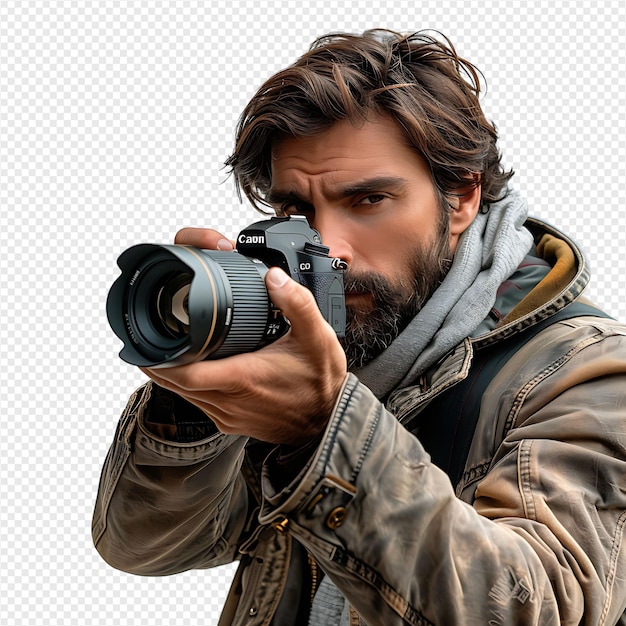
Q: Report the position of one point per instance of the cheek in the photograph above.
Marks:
(394, 259)
(381, 251)
(389, 247)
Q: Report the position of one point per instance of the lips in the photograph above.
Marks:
(362, 290)
(359, 299)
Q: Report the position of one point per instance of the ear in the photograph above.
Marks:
(465, 207)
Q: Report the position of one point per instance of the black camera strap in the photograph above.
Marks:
(446, 426)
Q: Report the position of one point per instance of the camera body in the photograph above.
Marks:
(291, 244)
(178, 304)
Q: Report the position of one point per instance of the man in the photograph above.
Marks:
(460, 457)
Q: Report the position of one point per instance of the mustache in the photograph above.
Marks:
(376, 284)
(405, 296)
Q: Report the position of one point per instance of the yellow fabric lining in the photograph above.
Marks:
(558, 253)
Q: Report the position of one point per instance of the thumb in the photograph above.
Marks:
(294, 300)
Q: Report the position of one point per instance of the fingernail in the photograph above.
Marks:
(277, 277)
(224, 245)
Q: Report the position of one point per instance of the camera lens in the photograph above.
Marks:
(178, 304)
(172, 304)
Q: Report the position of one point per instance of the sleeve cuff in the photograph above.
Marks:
(170, 417)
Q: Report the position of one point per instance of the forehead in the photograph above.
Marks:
(378, 147)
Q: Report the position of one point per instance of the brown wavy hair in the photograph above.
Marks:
(418, 80)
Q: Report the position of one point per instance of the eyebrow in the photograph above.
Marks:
(369, 185)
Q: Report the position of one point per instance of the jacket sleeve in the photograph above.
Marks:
(542, 543)
(163, 506)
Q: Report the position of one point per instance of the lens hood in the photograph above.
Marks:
(133, 304)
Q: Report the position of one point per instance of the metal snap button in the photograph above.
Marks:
(336, 517)
(281, 527)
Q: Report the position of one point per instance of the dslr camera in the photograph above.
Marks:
(176, 304)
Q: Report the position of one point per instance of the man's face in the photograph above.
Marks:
(373, 201)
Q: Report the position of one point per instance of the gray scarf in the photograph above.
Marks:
(488, 252)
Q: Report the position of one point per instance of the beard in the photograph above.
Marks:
(370, 331)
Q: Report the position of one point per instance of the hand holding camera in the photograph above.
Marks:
(283, 393)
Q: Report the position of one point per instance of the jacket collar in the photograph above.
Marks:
(567, 279)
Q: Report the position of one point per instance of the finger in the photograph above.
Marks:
(200, 376)
(180, 379)
(205, 238)
(162, 381)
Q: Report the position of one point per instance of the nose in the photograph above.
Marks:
(335, 235)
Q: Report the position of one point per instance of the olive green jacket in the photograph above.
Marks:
(532, 534)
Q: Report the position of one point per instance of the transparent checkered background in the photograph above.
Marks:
(115, 119)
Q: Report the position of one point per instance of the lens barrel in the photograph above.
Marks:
(177, 304)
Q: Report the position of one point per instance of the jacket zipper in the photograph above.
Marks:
(314, 575)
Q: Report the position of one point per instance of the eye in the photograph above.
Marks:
(295, 207)
(375, 198)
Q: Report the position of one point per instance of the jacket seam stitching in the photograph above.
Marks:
(118, 456)
(525, 479)
(472, 474)
(610, 579)
(556, 365)
(333, 433)
(366, 445)
(373, 577)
